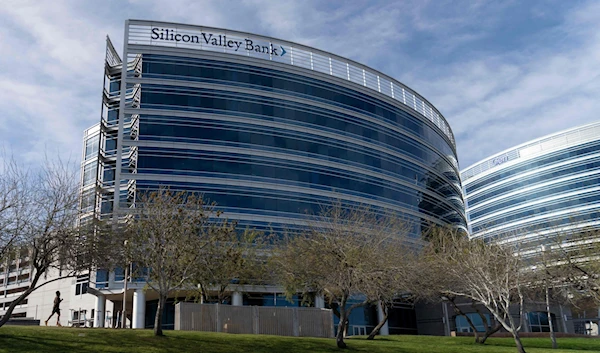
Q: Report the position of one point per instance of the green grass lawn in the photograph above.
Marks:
(14, 339)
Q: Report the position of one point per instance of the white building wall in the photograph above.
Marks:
(40, 302)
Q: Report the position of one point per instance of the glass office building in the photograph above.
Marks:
(528, 193)
(267, 129)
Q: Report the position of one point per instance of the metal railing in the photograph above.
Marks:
(561, 139)
(140, 33)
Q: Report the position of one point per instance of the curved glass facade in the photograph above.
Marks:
(268, 133)
(268, 130)
(528, 192)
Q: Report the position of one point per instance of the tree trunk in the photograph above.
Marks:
(335, 311)
(458, 311)
(339, 339)
(552, 333)
(489, 332)
(510, 325)
(381, 323)
(518, 343)
(159, 314)
(11, 307)
(221, 295)
(514, 329)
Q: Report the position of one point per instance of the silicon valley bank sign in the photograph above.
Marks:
(216, 40)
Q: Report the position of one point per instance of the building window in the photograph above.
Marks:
(462, 325)
(81, 288)
(82, 284)
(101, 278)
(90, 172)
(538, 321)
(91, 146)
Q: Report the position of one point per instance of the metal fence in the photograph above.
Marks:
(281, 321)
(588, 327)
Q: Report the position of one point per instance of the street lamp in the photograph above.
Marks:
(124, 314)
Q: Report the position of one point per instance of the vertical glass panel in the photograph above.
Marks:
(91, 146)
(90, 173)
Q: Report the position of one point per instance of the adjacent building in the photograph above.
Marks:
(530, 192)
(534, 194)
(77, 308)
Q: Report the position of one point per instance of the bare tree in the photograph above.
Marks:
(47, 227)
(578, 263)
(490, 274)
(13, 196)
(344, 253)
(566, 269)
(395, 265)
(232, 258)
(432, 284)
(549, 272)
(166, 236)
(487, 324)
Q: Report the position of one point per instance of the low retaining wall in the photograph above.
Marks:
(23, 322)
(281, 321)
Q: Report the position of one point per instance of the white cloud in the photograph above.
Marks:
(495, 90)
(497, 101)
(51, 91)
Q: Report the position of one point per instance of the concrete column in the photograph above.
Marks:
(111, 279)
(446, 319)
(384, 330)
(139, 309)
(100, 310)
(319, 301)
(563, 319)
(237, 299)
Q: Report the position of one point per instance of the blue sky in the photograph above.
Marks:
(501, 72)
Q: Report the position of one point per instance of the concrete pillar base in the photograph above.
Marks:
(319, 301)
(139, 309)
(100, 311)
(237, 299)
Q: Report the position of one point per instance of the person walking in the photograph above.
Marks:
(56, 309)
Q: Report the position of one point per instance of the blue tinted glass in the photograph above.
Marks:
(544, 160)
(161, 66)
(279, 155)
